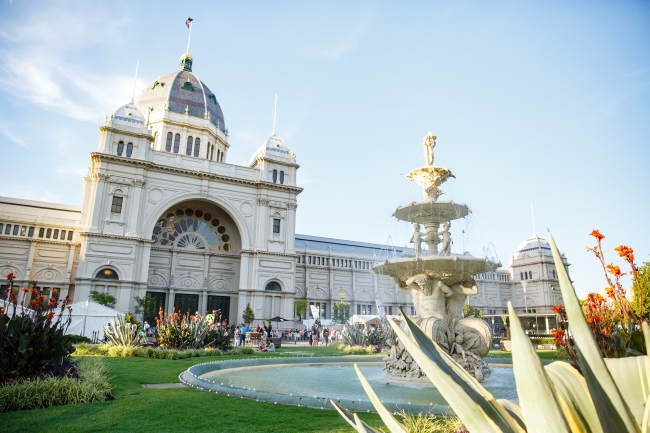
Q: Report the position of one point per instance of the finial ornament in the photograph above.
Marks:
(429, 144)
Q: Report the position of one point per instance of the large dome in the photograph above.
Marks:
(273, 146)
(533, 246)
(182, 90)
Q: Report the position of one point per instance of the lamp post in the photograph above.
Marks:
(524, 284)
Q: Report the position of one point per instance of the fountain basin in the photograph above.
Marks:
(427, 212)
(449, 269)
(313, 381)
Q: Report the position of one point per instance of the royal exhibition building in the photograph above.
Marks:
(165, 213)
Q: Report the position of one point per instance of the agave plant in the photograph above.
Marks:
(124, 333)
(611, 395)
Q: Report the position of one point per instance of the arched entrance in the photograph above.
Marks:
(195, 263)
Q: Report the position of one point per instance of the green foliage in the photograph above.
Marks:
(91, 385)
(643, 273)
(103, 298)
(542, 340)
(301, 307)
(248, 315)
(75, 339)
(353, 335)
(151, 352)
(469, 311)
(190, 332)
(341, 310)
(429, 423)
(357, 350)
(610, 395)
(144, 304)
(33, 342)
(124, 333)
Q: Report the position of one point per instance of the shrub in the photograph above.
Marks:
(123, 333)
(86, 349)
(241, 350)
(190, 332)
(103, 298)
(75, 339)
(33, 342)
(91, 385)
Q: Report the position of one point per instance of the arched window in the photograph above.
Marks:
(197, 146)
(530, 275)
(273, 286)
(177, 142)
(188, 149)
(129, 150)
(221, 157)
(521, 275)
(107, 274)
(275, 176)
(120, 148)
(282, 177)
(218, 154)
(168, 146)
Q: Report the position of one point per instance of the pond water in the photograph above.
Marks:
(339, 381)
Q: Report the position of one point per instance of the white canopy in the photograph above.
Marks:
(89, 317)
(372, 319)
(9, 308)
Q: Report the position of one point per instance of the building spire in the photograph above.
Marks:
(275, 108)
(532, 212)
(188, 23)
(135, 80)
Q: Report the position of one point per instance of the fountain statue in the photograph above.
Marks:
(438, 280)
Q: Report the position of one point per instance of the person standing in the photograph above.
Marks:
(326, 335)
(243, 331)
(237, 335)
(314, 335)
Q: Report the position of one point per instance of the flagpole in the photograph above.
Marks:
(135, 79)
(189, 38)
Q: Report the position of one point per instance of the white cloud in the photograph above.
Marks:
(41, 64)
(11, 135)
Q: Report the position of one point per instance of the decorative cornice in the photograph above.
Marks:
(269, 253)
(118, 237)
(275, 161)
(38, 240)
(197, 253)
(96, 157)
(105, 128)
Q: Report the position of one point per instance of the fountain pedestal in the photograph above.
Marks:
(437, 280)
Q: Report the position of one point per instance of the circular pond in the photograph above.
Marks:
(312, 382)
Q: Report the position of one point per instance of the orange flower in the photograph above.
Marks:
(614, 270)
(610, 292)
(68, 299)
(50, 315)
(34, 291)
(559, 336)
(25, 289)
(626, 252)
(595, 233)
(11, 276)
(558, 309)
(69, 307)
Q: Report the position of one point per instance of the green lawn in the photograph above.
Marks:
(185, 409)
(178, 409)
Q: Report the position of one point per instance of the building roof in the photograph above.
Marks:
(129, 115)
(32, 210)
(533, 246)
(181, 91)
(346, 247)
(274, 147)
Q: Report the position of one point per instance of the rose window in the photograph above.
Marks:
(191, 229)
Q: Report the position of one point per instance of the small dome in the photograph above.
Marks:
(129, 115)
(182, 92)
(533, 246)
(274, 147)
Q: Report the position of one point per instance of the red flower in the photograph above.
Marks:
(626, 252)
(50, 315)
(69, 307)
(595, 233)
(614, 270)
(68, 299)
(11, 276)
(559, 336)
(559, 309)
(2, 310)
(25, 289)
(34, 291)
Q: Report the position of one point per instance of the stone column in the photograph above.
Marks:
(203, 305)
(432, 243)
(170, 302)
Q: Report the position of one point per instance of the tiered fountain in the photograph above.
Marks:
(438, 280)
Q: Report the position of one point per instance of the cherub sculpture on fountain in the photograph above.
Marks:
(445, 249)
(416, 240)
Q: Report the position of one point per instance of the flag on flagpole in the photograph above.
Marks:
(381, 309)
(188, 23)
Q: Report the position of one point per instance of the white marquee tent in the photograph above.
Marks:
(89, 317)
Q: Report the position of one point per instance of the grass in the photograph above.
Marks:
(183, 409)
(554, 355)
(177, 409)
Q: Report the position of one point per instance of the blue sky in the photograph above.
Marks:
(531, 101)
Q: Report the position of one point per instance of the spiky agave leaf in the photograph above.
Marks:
(537, 397)
(472, 403)
(514, 410)
(349, 417)
(573, 395)
(614, 414)
(389, 420)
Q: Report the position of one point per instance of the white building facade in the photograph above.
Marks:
(165, 213)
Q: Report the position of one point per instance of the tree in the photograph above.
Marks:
(341, 310)
(144, 305)
(469, 311)
(103, 298)
(248, 315)
(301, 306)
(643, 273)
